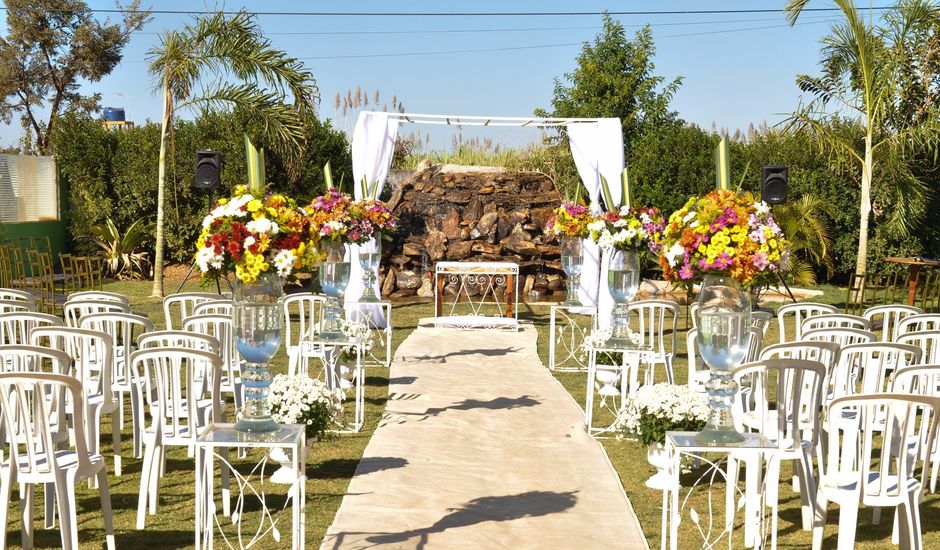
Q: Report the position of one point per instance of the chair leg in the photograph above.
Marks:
(116, 444)
(848, 522)
(146, 471)
(26, 511)
(807, 489)
(159, 459)
(909, 523)
(68, 522)
(105, 492)
(731, 493)
(819, 519)
(6, 486)
(136, 421)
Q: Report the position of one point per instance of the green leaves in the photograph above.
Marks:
(124, 261)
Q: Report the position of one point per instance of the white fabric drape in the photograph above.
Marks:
(597, 149)
(373, 144)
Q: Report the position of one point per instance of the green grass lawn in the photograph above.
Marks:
(333, 462)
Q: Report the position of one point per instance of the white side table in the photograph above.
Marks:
(290, 437)
(684, 443)
(342, 378)
(380, 334)
(567, 332)
(613, 382)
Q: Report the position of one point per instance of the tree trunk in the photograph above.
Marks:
(157, 290)
(864, 212)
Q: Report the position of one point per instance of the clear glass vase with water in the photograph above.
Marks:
(256, 323)
(370, 258)
(623, 281)
(724, 320)
(572, 260)
(334, 278)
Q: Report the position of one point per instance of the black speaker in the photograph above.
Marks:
(773, 189)
(208, 170)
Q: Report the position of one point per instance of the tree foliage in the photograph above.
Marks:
(615, 78)
(50, 48)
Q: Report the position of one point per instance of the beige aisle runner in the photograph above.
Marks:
(481, 448)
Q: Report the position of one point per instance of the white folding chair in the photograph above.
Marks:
(123, 328)
(307, 309)
(220, 328)
(15, 327)
(91, 353)
(921, 380)
(791, 421)
(75, 310)
(177, 307)
(651, 317)
(865, 471)
(834, 320)
(98, 296)
(917, 323)
(179, 410)
(799, 311)
(214, 307)
(884, 319)
(34, 408)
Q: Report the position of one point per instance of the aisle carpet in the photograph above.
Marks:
(481, 448)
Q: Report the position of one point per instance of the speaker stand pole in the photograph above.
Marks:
(786, 286)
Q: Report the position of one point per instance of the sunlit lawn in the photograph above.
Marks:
(334, 461)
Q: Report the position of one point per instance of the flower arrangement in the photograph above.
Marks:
(628, 229)
(356, 331)
(302, 400)
(569, 220)
(655, 409)
(335, 216)
(249, 234)
(723, 231)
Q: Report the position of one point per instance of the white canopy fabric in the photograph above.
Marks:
(373, 144)
(597, 147)
(597, 150)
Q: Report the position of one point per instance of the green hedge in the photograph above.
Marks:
(114, 173)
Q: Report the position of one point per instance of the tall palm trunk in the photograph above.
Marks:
(864, 211)
(161, 190)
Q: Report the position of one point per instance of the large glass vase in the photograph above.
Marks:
(623, 280)
(571, 262)
(370, 257)
(334, 278)
(724, 319)
(256, 323)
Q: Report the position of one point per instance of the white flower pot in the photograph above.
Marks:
(657, 456)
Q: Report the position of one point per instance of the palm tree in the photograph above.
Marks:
(862, 73)
(234, 66)
(809, 237)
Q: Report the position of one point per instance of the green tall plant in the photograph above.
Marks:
(234, 66)
(121, 251)
(862, 71)
(809, 236)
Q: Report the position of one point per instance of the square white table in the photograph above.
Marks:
(342, 383)
(290, 437)
(627, 379)
(567, 333)
(684, 443)
(380, 335)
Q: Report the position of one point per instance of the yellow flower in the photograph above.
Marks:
(254, 205)
(223, 201)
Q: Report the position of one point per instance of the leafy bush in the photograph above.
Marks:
(124, 260)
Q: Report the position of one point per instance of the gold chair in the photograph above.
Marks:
(855, 294)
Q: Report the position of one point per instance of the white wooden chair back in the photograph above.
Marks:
(792, 416)
(98, 296)
(928, 341)
(90, 351)
(177, 307)
(34, 414)
(75, 310)
(214, 307)
(174, 397)
(11, 306)
(884, 319)
(834, 320)
(842, 336)
(800, 311)
(16, 327)
(917, 323)
(26, 358)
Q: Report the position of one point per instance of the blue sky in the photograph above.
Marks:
(738, 68)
